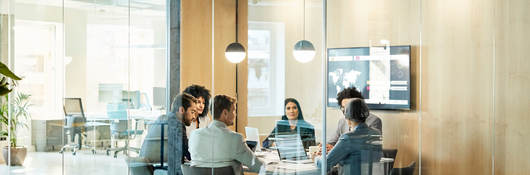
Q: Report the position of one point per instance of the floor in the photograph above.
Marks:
(84, 163)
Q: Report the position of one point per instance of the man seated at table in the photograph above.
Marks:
(184, 108)
(217, 146)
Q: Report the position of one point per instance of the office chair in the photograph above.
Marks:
(191, 170)
(119, 127)
(409, 170)
(389, 153)
(74, 125)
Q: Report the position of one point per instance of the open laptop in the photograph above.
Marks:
(253, 135)
(291, 149)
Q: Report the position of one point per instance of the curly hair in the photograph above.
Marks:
(200, 91)
(350, 92)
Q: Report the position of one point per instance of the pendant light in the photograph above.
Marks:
(235, 52)
(303, 51)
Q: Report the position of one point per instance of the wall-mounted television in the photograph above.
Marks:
(384, 81)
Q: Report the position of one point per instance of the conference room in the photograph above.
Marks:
(90, 87)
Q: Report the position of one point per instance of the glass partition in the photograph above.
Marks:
(285, 94)
(93, 79)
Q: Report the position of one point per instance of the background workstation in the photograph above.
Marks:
(469, 74)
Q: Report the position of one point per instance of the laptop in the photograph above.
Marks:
(291, 149)
(253, 136)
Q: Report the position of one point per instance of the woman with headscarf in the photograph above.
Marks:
(293, 123)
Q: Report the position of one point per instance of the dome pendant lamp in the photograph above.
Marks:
(235, 52)
(303, 51)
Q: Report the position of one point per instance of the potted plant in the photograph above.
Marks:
(19, 118)
(19, 113)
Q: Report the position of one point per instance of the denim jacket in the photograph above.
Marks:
(354, 148)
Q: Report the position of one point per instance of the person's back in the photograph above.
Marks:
(150, 150)
(217, 146)
(360, 147)
(359, 150)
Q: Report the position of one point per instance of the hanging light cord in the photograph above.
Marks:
(237, 94)
(303, 27)
(237, 5)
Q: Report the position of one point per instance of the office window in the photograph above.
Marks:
(266, 68)
(39, 60)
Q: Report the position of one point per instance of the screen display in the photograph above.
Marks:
(382, 78)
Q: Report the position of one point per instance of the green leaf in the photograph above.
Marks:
(4, 70)
(4, 90)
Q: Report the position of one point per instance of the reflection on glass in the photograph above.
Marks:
(265, 68)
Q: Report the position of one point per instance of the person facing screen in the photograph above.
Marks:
(292, 123)
(357, 147)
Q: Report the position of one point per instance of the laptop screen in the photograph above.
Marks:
(290, 147)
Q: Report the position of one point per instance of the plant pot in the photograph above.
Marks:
(18, 154)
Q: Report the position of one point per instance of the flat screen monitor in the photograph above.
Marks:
(384, 81)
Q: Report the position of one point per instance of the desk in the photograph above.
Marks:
(275, 166)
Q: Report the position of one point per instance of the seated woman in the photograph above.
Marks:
(203, 96)
(360, 145)
(293, 123)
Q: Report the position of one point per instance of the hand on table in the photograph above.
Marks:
(328, 148)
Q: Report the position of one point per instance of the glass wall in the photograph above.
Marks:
(93, 80)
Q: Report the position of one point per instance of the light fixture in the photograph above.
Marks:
(303, 51)
(235, 52)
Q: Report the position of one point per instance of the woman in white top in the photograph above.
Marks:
(203, 96)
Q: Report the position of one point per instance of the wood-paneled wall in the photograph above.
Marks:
(512, 85)
(457, 87)
(196, 49)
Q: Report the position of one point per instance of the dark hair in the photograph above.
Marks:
(350, 92)
(287, 100)
(200, 91)
(220, 103)
(183, 100)
(356, 110)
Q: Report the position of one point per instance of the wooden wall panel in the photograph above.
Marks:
(457, 68)
(196, 49)
(512, 84)
(196, 43)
